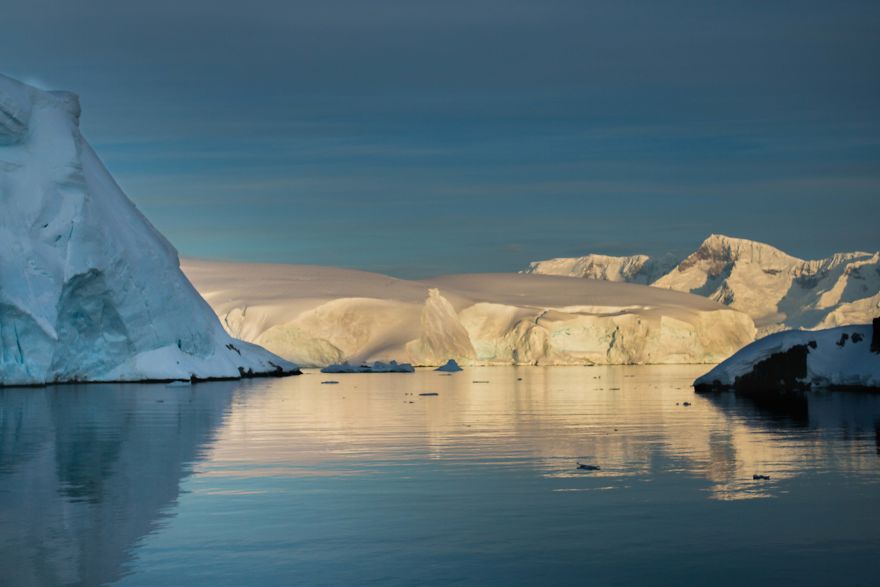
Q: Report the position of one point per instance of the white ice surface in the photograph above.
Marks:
(777, 290)
(317, 316)
(830, 363)
(89, 290)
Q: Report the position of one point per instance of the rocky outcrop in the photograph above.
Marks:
(795, 360)
(875, 336)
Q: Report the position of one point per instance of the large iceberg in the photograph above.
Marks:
(318, 316)
(89, 290)
(842, 357)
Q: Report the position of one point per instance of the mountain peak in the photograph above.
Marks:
(741, 249)
(773, 287)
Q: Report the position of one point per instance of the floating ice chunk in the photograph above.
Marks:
(376, 367)
(450, 367)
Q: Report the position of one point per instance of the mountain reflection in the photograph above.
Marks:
(87, 471)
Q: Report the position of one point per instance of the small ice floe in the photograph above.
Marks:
(377, 367)
(428, 394)
(757, 477)
(330, 382)
(450, 367)
(182, 383)
(583, 467)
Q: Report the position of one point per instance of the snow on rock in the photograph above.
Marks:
(375, 367)
(318, 316)
(798, 359)
(632, 269)
(449, 366)
(777, 290)
(89, 290)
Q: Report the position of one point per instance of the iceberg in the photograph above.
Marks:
(844, 357)
(89, 289)
(375, 367)
(318, 316)
(449, 367)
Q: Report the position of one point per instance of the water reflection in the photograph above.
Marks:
(367, 480)
(631, 421)
(87, 471)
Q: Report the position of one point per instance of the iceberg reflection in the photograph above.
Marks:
(86, 471)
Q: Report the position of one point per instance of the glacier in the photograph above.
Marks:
(777, 290)
(844, 357)
(89, 289)
(318, 316)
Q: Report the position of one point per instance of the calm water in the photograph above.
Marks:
(291, 481)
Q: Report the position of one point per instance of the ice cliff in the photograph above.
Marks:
(89, 290)
(317, 316)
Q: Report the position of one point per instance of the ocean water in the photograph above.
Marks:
(300, 482)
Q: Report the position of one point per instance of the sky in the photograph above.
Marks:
(418, 138)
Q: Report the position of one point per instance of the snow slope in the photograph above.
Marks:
(318, 316)
(777, 290)
(89, 290)
(632, 269)
(833, 357)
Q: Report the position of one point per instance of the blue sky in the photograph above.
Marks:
(417, 138)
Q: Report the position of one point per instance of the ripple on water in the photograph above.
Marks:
(367, 480)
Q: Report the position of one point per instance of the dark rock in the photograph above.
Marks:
(584, 467)
(757, 477)
(843, 338)
(875, 336)
(778, 372)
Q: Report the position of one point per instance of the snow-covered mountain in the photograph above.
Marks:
(630, 269)
(317, 316)
(89, 290)
(777, 290)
